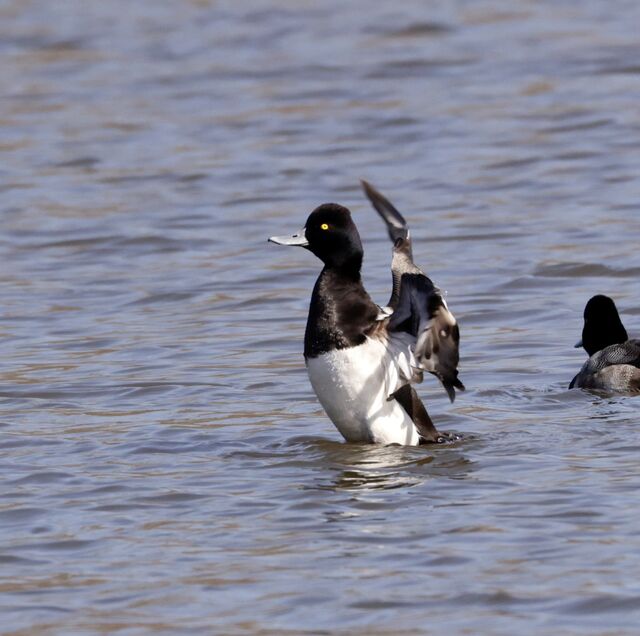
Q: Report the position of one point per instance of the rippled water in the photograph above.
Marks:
(165, 465)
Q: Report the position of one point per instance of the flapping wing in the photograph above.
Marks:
(418, 306)
(422, 312)
(402, 260)
(396, 225)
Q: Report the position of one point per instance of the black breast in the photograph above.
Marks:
(340, 315)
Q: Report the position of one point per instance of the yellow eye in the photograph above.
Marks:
(324, 226)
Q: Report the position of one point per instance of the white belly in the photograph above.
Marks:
(353, 386)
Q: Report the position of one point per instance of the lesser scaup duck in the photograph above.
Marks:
(362, 358)
(614, 360)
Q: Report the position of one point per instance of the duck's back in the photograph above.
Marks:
(614, 369)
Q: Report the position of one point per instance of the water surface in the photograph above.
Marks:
(165, 465)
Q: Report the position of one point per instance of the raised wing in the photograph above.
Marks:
(418, 306)
(402, 260)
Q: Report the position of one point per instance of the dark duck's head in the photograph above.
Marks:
(602, 325)
(331, 235)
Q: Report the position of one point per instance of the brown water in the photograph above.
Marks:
(165, 466)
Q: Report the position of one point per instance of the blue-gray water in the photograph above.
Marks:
(165, 467)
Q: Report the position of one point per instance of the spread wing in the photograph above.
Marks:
(402, 260)
(418, 305)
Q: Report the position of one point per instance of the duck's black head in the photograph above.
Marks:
(331, 235)
(602, 325)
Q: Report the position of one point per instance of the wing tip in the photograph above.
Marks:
(450, 388)
(396, 223)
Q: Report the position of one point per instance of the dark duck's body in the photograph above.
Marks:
(614, 360)
(362, 359)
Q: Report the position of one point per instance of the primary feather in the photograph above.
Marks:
(418, 305)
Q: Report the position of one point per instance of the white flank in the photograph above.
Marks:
(353, 385)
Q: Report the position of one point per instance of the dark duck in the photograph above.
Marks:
(614, 360)
(362, 359)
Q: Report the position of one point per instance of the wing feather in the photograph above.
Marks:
(615, 368)
(624, 353)
(418, 305)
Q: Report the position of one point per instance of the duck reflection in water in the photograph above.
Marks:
(367, 467)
